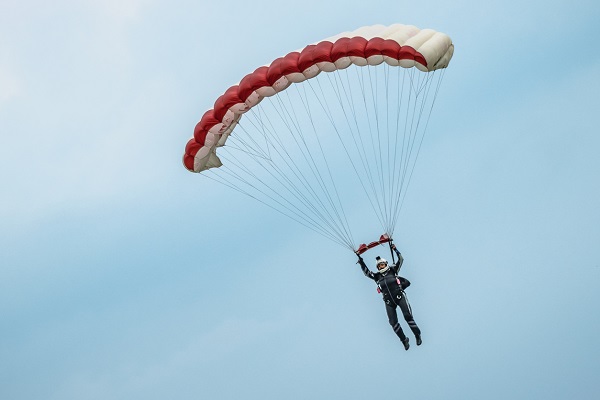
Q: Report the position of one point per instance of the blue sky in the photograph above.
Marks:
(123, 276)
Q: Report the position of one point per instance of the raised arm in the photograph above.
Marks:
(398, 264)
(364, 268)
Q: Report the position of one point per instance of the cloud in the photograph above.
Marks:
(90, 160)
(120, 9)
(89, 126)
(201, 361)
(10, 86)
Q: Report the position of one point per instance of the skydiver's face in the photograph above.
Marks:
(381, 266)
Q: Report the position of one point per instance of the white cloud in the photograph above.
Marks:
(120, 9)
(10, 85)
(87, 122)
(200, 360)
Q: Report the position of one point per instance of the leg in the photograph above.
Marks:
(407, 313)
(393, 320)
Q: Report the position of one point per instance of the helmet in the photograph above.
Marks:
(381, 261)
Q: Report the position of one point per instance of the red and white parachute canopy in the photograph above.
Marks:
(397, 45)
(286, 151)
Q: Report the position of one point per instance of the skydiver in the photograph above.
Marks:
(392, 286)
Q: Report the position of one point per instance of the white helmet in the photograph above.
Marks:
(381, 261)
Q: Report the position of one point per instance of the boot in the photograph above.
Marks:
(405, 343)
(418, 338)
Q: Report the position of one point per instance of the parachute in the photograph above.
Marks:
(330, 133)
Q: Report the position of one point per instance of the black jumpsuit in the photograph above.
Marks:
(391, 287)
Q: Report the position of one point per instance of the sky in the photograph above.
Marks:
(124, 276)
